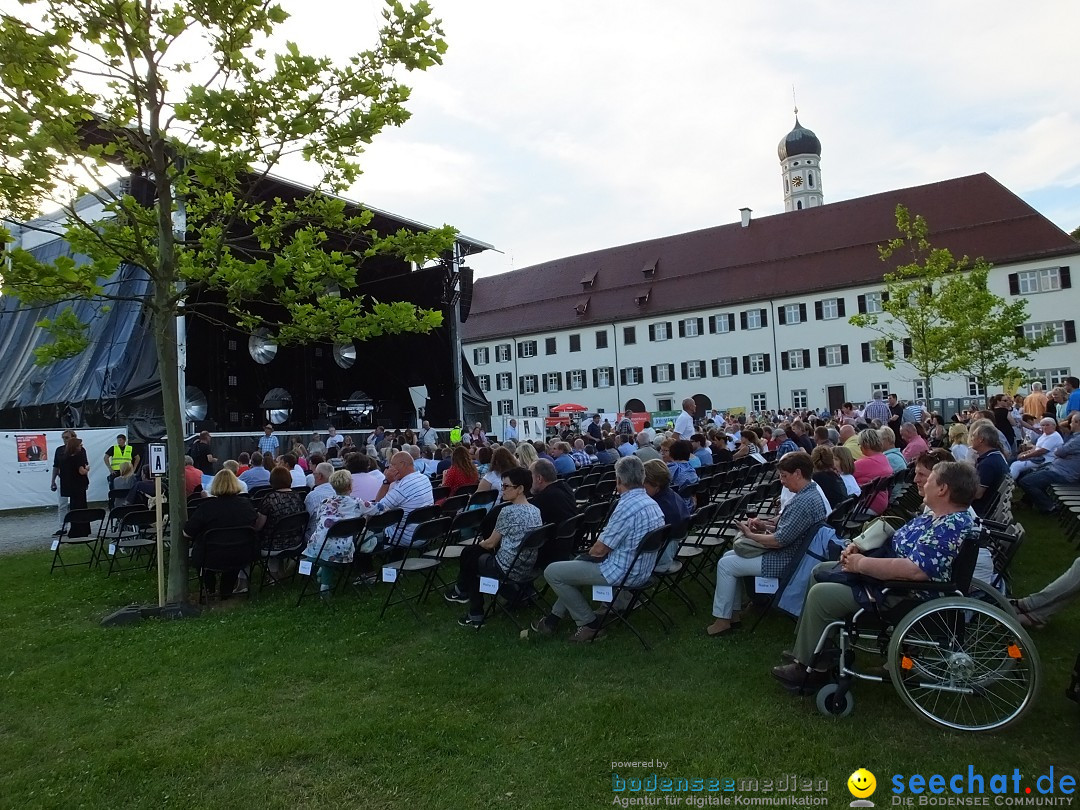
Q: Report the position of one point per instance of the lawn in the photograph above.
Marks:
(272, 706)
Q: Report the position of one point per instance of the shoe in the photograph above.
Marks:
(366, 579)
(455, 596)
(788, 657)
(727, 631)
(58, 533)
(543, 627)
(471, 621)
(795, 677)
(240, 590)
(586, 633)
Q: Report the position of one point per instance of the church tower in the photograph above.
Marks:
(800, 165)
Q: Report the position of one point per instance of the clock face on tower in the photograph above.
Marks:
(796, 181)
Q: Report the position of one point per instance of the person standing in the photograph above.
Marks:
(74, 481)
(63, 502)
(684, 424)
(268, 442)
(428, 436)
(201, 457)
(116, 455)
(511, 431)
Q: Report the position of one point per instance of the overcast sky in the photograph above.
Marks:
(559, 127)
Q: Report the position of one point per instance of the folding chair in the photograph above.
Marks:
(91, 542)
(649, 545)
(464, 531)
(232, 548)
(425, 534)
(384, 524)
(483, 500)
(350, 527)
(671, 577)
(451, 506)
(509, 589)
(592, 523)
(468, 489)
(289, 527)
(802, 545)
(440, 492)
(134, 537)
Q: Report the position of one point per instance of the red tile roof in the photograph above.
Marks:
(789, 254)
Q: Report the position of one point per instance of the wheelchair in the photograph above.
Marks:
(959, 659)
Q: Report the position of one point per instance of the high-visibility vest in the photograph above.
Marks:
(120, 455)
(455, 435)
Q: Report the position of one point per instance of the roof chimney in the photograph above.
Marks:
(745, 213)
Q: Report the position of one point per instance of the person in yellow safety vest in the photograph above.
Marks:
(455, 433)
(118, 454)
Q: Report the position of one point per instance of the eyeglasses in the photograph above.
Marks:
(510, 486)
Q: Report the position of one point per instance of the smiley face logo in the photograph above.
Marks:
(861, 783)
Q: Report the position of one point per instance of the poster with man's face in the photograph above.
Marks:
(31, 448)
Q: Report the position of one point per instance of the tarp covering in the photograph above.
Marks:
(119, 366)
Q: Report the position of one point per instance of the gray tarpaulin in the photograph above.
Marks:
(114, 377)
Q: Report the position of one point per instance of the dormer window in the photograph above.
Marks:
(642, 298)
(649, 270)
(589, 279)
(582, 307)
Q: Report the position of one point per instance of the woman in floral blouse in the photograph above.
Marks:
(339, 506)
(922, 550)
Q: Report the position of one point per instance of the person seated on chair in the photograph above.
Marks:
(780, 539)
(125, 480)
(990, 463)
(682, 473)
(873, 464)
(461, 473)
(225, 509)
(826, 476)
(495, 555)
(339, 506)
(402, 488)
(921, 550)
(275, 505)
(609, 560)
(676, 512)
(555, 500)
(143, 490)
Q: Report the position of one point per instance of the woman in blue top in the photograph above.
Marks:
(682, 473)
(923, 550)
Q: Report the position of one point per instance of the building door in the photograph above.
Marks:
(635, 405)
(837, 397)
(704, 405)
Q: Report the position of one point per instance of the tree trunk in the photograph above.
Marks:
(163, 324)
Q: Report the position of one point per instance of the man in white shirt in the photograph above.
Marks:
(404, 488)
(334, 440)
(1048, 442)
(316, 445)
(684, 425)
(428, 436)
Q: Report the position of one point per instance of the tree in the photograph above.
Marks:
(913, 318)
(190, 96)
(990, 340)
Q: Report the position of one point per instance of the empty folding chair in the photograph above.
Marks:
(483, 500)
(464, 531)
(90, 542)
(414, 564)
(135, 538)
(451, 506)
(285, 542)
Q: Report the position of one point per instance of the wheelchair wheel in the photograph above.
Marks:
(832, 705)
(991, 595)
(964, 664)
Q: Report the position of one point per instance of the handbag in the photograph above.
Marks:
(875, 534)
(747, 548)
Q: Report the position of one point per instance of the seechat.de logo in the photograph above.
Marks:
(862, 785)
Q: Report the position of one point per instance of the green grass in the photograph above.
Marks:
(270, 706)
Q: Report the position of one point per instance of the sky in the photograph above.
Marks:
(561, 127)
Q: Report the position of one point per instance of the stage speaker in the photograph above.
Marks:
(466, 292)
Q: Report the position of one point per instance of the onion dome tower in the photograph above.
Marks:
(800, 165)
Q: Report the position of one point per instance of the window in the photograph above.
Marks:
(883, 387)
(753, 319)
(757, 364)
(664, 405)
(506, 407)
(874, 352)
(792, 313)
(690, 327)
(632, 376)
(602, 377)
(1063, 331)
(759, 402)
(485, 382)
(829, 309)
(629, 335)
(553, 381)
(575, 380)
(662, 373)
(528, 384)
(799, 399)
(532, 411)
(502, 353)
(601, 339)
(795, 359)
(575, 343)
(504, 381)
(721, 324)
(871, 303)
(920, 389)
(527, 348)
(1047, 279)
(693, 369)
(550, 346)
(1051, 377)
(975, 388)
(833, 355)
(724, 367)
(480, 356)
(659, 331)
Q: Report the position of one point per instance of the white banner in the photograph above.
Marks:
(529, 428)
(26, 460)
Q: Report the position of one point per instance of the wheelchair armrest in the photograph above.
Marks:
(887, 585)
